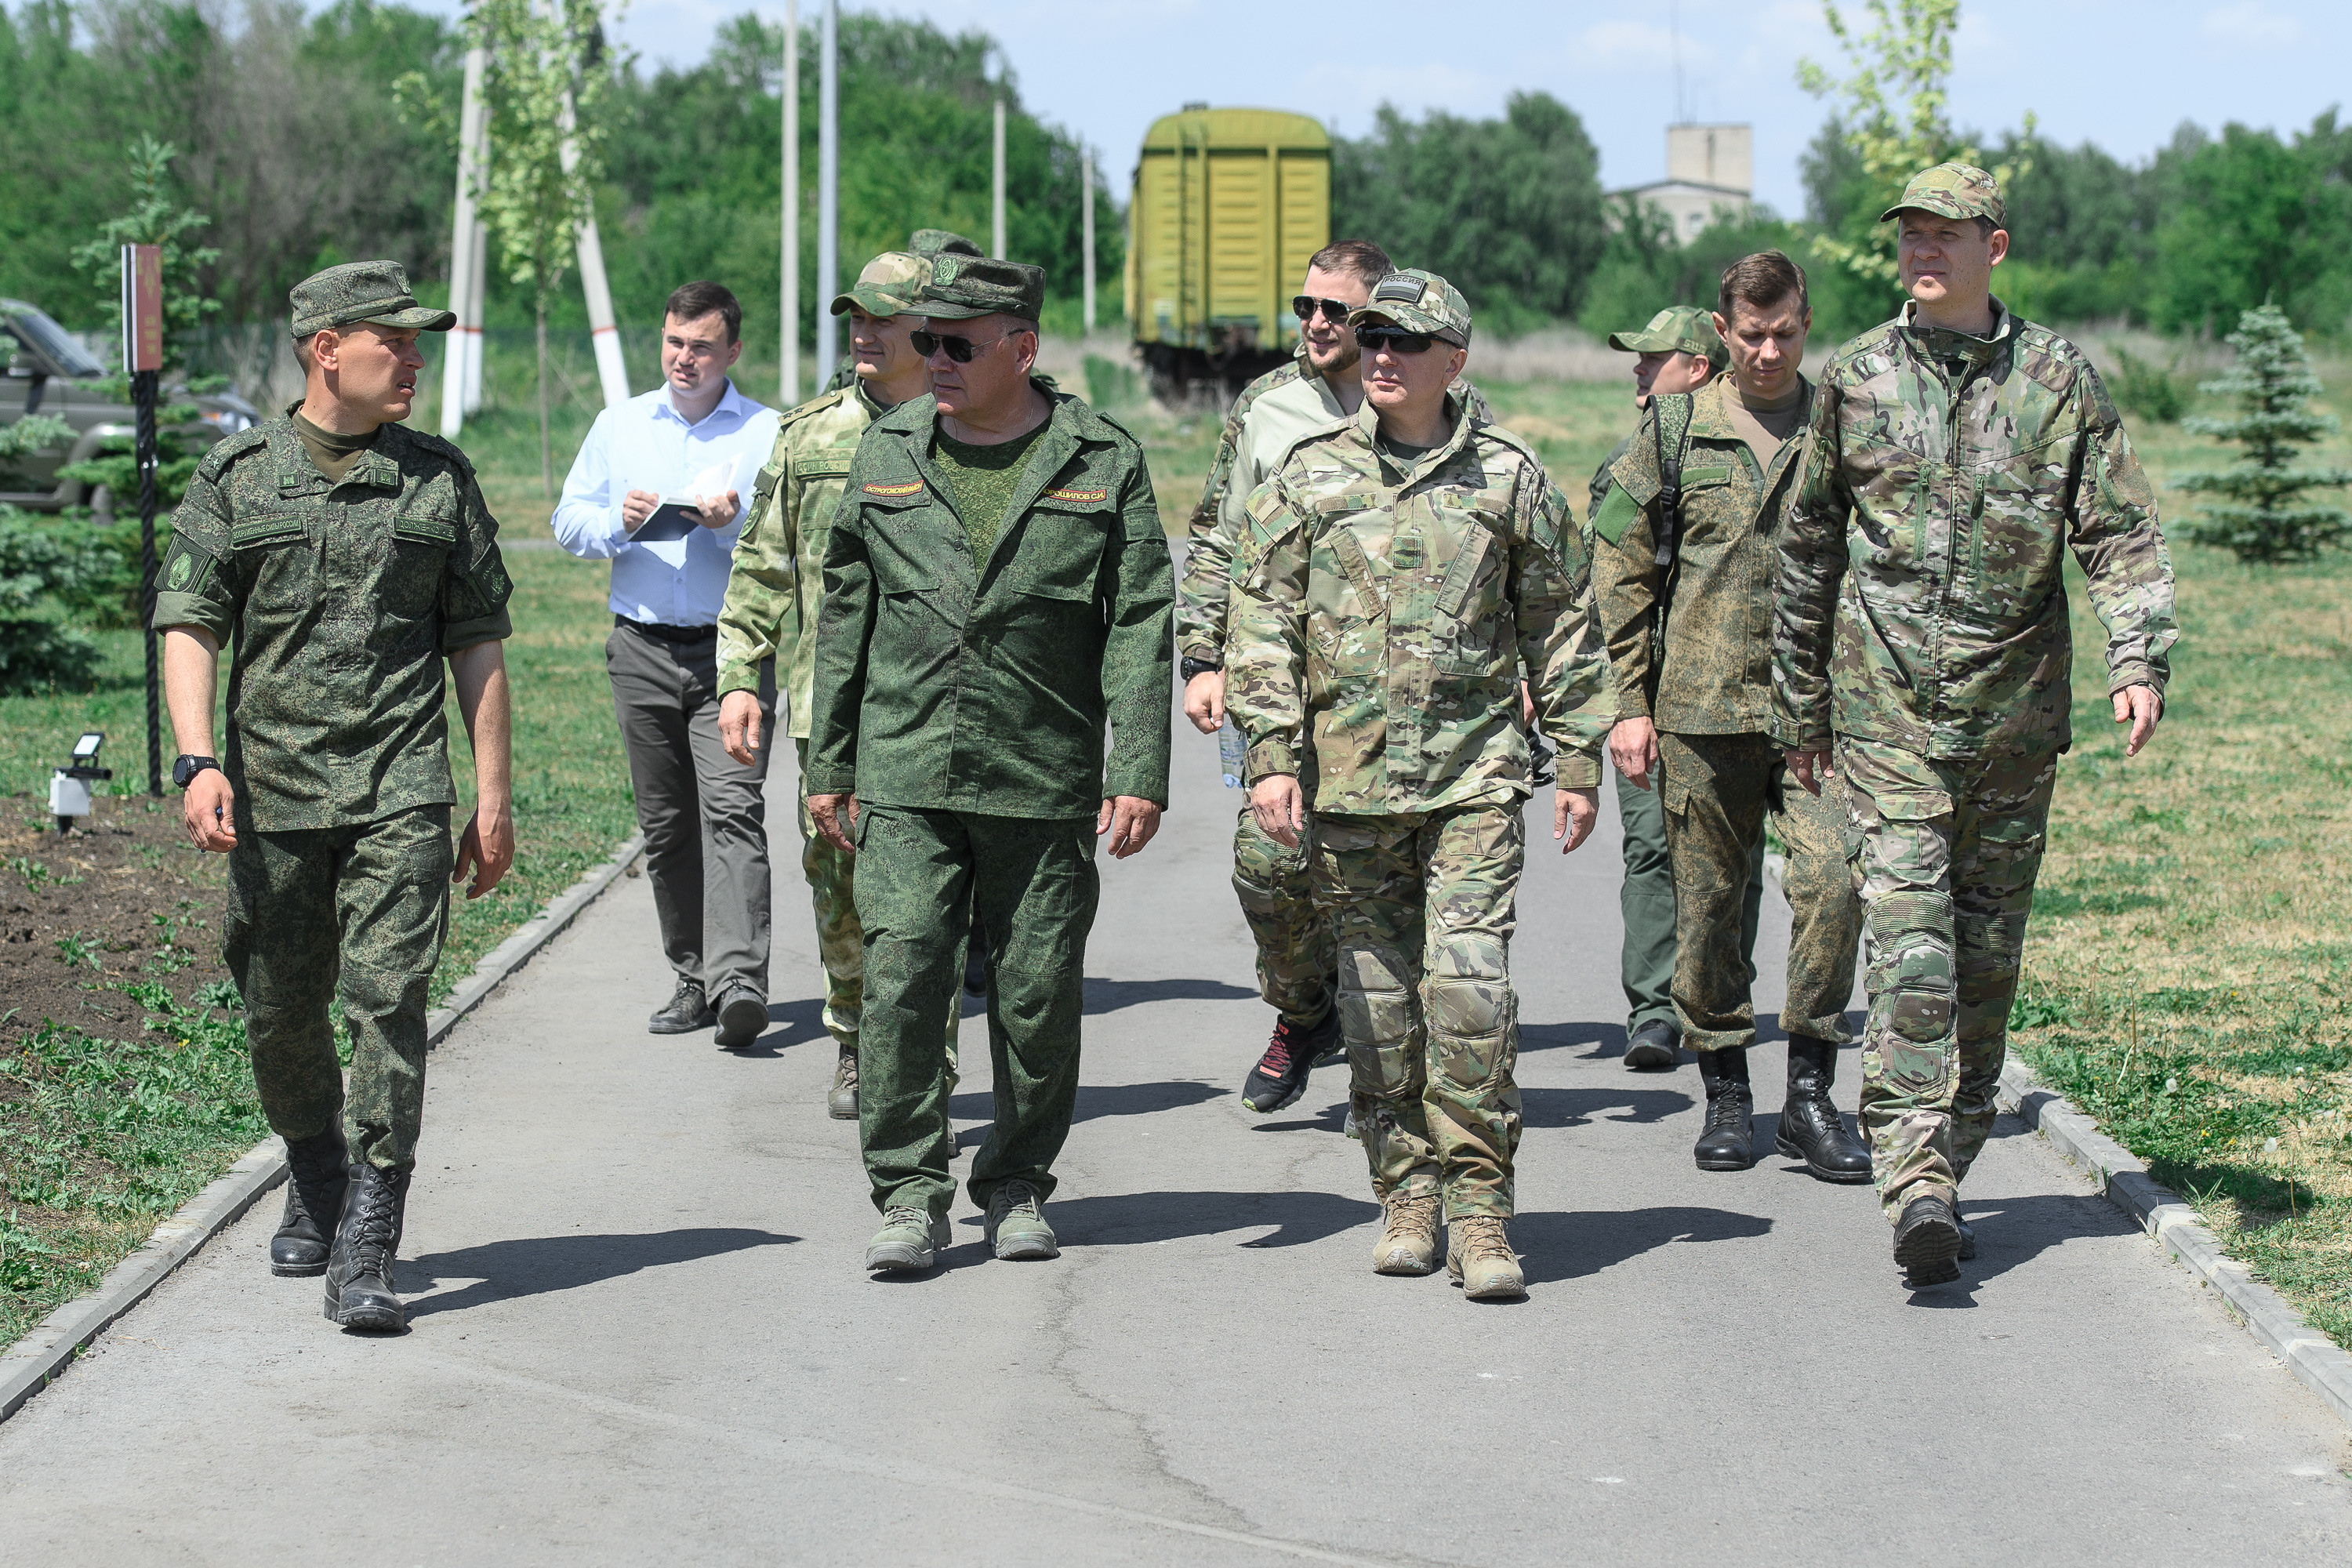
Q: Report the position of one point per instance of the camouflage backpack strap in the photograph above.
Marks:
(1673, 441)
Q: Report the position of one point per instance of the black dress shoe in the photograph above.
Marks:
(315, 1181)
(1810, 1128)
(359, 1293)
(1727, 1141)
(742, 1018)
(686, 1012)
(1653, 1047)
(1927, 1243)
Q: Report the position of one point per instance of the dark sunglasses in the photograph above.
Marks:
(960, 350)
(1335, 311)
(1396, 340)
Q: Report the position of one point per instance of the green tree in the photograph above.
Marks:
(2262, 515)
(2257, 219)
(155, 218)
(1509, 210)
(46, 568)
(1644, 269)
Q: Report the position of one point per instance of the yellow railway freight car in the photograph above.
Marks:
(1227, 205)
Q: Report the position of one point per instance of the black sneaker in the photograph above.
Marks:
(686, 1012)
(1280, 1076)
(1927, 1243)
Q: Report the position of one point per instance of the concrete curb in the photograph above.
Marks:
(2310, 1356)
(34, 1361)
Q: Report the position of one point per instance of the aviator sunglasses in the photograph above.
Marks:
(960, 350)
(1396, 340)
(1335, 311)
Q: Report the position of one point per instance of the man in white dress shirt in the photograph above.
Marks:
(659, 488)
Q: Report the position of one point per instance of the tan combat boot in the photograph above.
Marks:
(1408, 1245)
(1479, 1257)
(841, 1100)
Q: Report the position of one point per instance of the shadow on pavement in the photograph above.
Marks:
(539, 1265)
(1103, 1099)
(1607, 1040)
(1556, 1246)
(1575, 1106)
(789, 1024)
(1136, 1220)
(1110, 995)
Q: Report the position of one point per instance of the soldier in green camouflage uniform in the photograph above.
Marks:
(1296, 960)
(1404, 565)
(771, 604)
(1685, 603)
(1678, 351)
(1921, 630)
(345, 558)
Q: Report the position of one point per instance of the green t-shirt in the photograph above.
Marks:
(332, 455)
(983, 479)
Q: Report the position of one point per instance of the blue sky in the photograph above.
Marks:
(2119, 73)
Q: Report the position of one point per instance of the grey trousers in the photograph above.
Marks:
(704, 813)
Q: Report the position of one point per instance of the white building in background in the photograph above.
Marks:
(1710, 170)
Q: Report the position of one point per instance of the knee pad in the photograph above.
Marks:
(1375, 996)
(1911, 938)
(1469, 986)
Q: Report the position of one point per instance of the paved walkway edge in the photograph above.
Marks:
(2310, 1356)
(34, 1361)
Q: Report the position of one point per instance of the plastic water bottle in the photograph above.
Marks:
(1231, 750)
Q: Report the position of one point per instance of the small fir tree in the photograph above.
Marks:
(2262, 515)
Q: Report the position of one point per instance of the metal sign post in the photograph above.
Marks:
(143, 357)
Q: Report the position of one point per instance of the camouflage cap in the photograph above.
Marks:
(1418, 301)
(961, 287)
(930, 242)
(374, 292)
(888, 285)
(1676, 330)
(1953, 189)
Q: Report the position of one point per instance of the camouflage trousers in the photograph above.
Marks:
(1719, 790)
(353, 916)
(1422, 908)
(1945, 854)
(1296, 971)
(840, 939)
(1645, 898)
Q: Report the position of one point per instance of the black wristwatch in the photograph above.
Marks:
(185, 768)
(1190, 667)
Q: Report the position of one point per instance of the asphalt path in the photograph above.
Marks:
(641, 1331)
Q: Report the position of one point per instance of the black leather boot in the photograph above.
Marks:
(1927, 1243)
(1810, 1128)
(359, 1293)
(1727, 1142)
(314, 1201)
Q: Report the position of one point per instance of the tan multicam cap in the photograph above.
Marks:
(962, 287)
(930, 242)
(888, 285)
(1953, 189)
(1676, 330)
(1419, 303)
(357, 291)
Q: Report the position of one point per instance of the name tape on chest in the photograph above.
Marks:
(1078, 494)
(895, 492)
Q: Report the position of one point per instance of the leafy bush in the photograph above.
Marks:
(2262, 517)
(2142, 390)
(33, 433)
(44, 564)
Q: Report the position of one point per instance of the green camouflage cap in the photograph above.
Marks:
(374, 292)
(888, 285)
(965, 286)
(1676, 330)
(1953, 189)
(1419, 303)
(930, 242)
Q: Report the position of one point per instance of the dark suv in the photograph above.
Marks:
(59, 377)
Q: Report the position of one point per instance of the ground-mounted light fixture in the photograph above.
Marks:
(70, 790)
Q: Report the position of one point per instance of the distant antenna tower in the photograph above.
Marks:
(1674, 32)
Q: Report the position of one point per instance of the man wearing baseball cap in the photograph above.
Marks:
(1404, 563)
(1957, 454)
(346, 557)
(774, 590)
(1679, 351)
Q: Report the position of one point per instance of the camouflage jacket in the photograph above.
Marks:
(1265, 421)
(1921, 597)
(1690, 634)
(340, 602)
(771, 610)
(1386, 612)
(944, 687)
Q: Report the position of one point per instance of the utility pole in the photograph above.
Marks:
(1087, 226)
(142, 359)
(465, 235)
(603, 333)
(788, 346)
(996, 208)
(828, 188)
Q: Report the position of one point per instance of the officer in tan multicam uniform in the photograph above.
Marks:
(1403, 564)
(1921, 637)
(345, 559)
(1685, 601)
(774, 586)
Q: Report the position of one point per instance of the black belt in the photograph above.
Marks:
(663, 632)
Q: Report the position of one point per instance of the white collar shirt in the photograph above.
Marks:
(646, 445)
